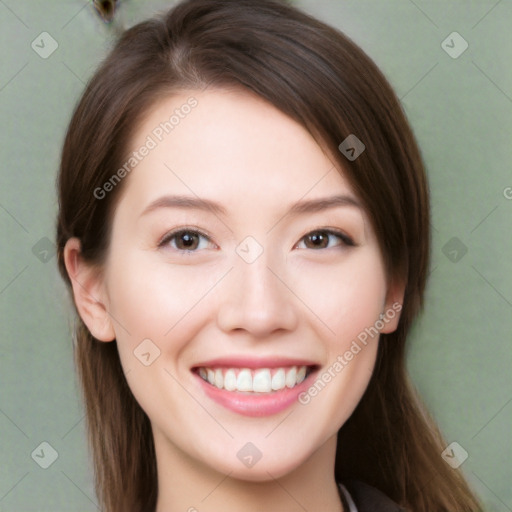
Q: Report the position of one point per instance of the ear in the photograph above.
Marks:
(89, 292)
(392, 306)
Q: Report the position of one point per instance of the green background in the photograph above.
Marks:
(461, 111)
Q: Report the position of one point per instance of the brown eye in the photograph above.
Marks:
(321, 239)
(185, 240)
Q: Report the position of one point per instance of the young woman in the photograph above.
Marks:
(244, 224)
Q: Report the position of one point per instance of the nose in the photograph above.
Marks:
(257, 300)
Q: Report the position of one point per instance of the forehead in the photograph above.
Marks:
(230, 146)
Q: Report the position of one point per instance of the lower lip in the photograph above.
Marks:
(255, 404)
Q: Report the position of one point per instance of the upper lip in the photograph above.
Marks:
(254, 362)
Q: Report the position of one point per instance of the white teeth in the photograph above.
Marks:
(261, 380)
(278, 380)
(301, 374)
(230, 380)
(244, 381)
(291, 377)
(219, 378)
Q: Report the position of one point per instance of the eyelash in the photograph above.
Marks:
(345, 239)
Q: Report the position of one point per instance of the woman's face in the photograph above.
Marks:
(281, 275)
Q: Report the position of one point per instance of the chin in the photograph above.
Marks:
(253, 465)
(263, 472)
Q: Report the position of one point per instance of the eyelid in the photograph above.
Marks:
(171, 234)
(346, 239)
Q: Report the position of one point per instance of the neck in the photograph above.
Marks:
(186, 484)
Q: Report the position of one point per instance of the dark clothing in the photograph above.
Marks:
(360, 497)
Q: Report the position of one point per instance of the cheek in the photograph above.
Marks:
(151, 299)
(346, 297)
(349, 306)
(349, 300)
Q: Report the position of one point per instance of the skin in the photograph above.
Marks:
(294, 300)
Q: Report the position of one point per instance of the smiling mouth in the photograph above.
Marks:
(257, 380)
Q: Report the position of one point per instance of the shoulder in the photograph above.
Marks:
(368, 499)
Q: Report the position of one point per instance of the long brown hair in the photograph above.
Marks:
(321, 79)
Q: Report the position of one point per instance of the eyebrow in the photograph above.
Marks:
(298, 208)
